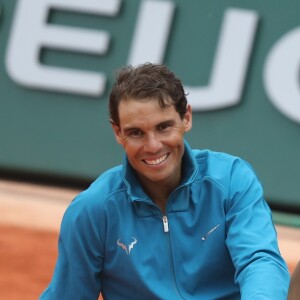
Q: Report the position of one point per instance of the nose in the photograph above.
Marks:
(152, 143)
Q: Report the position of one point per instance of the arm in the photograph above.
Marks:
(294, 290)
(251, 239)
(79, 264)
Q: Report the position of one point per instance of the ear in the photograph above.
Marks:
(117, 132)
(187, 119)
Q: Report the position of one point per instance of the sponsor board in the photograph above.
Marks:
(239, 65)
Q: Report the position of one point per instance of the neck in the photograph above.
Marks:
(159, 192)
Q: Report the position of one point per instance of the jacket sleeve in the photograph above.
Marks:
(251, 239)
(80, 254)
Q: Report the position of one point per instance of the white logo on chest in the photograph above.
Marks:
(127, 247)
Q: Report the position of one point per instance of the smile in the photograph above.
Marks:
(156, 161)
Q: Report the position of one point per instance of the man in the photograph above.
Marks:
(171, 222)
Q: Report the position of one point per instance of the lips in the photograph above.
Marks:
(157, 161)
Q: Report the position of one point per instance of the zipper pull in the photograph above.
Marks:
(166, 224)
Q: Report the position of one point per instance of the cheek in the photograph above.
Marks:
(178, 134)
(126, 142)
(130, 147)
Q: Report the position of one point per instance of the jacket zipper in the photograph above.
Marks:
(166, 230)
(166, 224)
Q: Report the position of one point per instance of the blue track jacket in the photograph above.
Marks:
(216, 241)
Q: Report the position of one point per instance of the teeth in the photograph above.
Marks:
(156, 161)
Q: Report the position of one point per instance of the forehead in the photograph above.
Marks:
(138, 112)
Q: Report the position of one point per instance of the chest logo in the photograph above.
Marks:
(209, 232)
(127, 247)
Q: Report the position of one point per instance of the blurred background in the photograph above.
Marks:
(239, 62)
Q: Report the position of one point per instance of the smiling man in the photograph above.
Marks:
(152, 137)
(171, 222)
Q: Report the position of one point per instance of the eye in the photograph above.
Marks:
(136, 133)
(163, 126)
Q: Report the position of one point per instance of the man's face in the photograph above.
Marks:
(152, 138)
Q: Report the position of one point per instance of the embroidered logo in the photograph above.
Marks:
(209, 232)
(127, 247)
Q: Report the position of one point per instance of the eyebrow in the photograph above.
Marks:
(167, 122)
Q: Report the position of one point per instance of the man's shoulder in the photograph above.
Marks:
(220, 165)
(108, 183)
(207, 156)
(96, 199)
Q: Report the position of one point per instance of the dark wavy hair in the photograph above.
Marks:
(144, 82)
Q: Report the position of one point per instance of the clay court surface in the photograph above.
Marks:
(30, 217)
